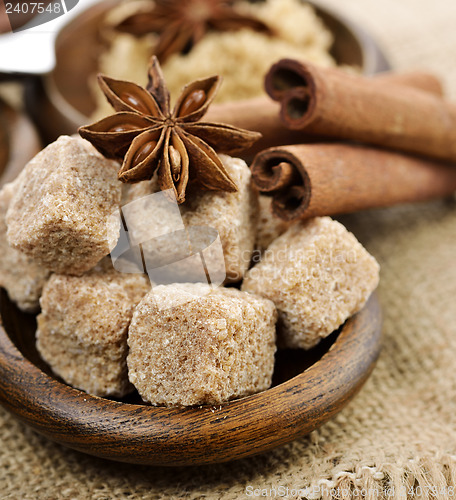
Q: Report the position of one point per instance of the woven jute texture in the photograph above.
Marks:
(397, 438)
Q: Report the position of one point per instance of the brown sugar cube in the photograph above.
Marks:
(82, 329)
(318, 275)
(59, 214)
(191, 344)
(21, 277)
(233, 215)
(270, 227)
(86, 144)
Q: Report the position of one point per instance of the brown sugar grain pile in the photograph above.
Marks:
(241, 57)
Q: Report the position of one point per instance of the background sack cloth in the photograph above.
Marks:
(400, 431)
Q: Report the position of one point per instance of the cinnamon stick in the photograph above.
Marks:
(259, 114)
(287, 75)
(415, 79)
(326, 179)
(262, 114)
(336, 104)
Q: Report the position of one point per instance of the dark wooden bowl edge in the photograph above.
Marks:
(193, 436)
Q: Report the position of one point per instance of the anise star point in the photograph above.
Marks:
(148, 137)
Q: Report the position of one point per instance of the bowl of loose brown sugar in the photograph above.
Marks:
(67, 98)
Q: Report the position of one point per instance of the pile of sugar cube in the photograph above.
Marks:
(109, 332)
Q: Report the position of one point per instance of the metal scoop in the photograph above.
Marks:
(30, 48)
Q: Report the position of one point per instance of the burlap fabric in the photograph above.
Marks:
(397, 439)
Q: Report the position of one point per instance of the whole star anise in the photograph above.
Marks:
(181, 24)
(148, 137)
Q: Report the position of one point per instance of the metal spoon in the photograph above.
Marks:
(31, 50)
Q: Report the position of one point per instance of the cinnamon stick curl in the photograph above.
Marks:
(333, 103)
(263, 114)
(327, 179)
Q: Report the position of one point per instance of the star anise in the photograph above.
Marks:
(181, 24)
(148, 137)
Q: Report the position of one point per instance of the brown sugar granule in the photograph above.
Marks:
(318, 275)
(82, 329)
(233, 215)
(241, 57)
(191, 344)
(21, 277)
(59, 215)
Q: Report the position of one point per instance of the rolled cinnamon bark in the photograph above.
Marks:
(336, 104)
(415, 79)
(262, 114)
(259, 114)
(287, 75)
(326, 179)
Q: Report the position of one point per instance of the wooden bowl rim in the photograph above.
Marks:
(197, 435)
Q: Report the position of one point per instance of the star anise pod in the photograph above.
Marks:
(181, 24)
(149, 137)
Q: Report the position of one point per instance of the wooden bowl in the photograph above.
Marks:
(61, 101)
(310, 388)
